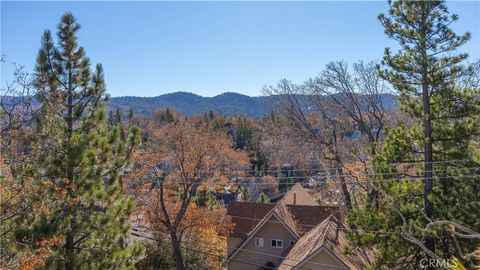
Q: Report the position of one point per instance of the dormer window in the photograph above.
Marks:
(277, 243)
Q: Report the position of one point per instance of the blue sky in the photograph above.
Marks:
(153, 48)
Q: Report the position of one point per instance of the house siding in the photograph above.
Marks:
(323, 261)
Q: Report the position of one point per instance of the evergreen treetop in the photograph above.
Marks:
(82, 158)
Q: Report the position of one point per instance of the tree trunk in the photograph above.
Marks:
(341, 175)
(427, 139)
(69, 241)
(346, 193)
(428, 159)
(177, 251)
(69, 258)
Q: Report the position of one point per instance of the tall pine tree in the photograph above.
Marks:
(82, 157)
(422, 219)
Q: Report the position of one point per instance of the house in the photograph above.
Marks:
(266, 235)
(354, 134)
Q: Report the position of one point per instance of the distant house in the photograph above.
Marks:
(296, 195)
(265, 235)
(353, 134)
(226, 197)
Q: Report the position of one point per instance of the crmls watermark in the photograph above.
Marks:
(436, 263)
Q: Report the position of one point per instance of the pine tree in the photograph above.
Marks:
(111, 119)
(131, 114)
(211, 201)
(200, 199)
(244, 195)
(243, 134)
(118, 116)
(426, 72)
(166, 116)
(263, 198)
(82, 157)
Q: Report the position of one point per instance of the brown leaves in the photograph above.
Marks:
(36, 259)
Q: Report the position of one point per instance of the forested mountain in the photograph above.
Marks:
(227, 103)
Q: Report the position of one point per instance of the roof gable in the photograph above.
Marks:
(333, 262)
(298, 195)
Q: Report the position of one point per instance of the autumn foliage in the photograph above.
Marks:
(182, 156)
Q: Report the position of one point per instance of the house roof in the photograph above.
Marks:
(298, 195)
(306, 217)
(300, 217)
(330, 235)
(300, 211)
(246, 215)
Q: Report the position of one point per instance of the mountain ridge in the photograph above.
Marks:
(227, 103)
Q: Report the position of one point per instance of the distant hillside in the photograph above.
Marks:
(227, 103)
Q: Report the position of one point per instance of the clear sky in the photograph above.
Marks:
(153, 48)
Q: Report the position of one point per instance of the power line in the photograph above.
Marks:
(329, 168)
(339, 180)
(251, 251)
(217, 255)
(310, 225)
(344, 229)
(271, 255)
(237, 248)
(320, 171)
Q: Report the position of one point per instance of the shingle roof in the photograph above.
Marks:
(245, 216)
(330, 234)
(300, 218)
(306, 217)
(298, 195)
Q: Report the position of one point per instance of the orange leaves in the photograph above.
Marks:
(268, 184)
(179, 157)
(188, 152)
(205, 230)
(36, 259)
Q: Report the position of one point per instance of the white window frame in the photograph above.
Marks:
(276, 243)
(259, 242)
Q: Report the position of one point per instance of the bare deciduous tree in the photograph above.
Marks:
(337, 102)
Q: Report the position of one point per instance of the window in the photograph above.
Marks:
(292, 242)
(276, 243)
(259, 242)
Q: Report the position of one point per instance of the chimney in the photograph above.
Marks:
(294, 198)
